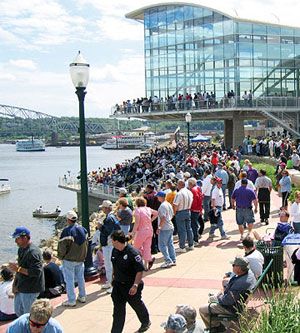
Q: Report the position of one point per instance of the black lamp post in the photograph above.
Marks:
(188, 119)
(79, 71)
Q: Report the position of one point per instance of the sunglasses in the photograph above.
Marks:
(37, 325)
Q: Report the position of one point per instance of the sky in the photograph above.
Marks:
(40, 38)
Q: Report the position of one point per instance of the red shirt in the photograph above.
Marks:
(197, 199)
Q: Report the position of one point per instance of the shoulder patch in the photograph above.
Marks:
(138, 258)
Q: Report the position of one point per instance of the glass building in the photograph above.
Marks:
(191, 48)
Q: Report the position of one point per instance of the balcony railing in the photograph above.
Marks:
(93, 187)
(215, 104)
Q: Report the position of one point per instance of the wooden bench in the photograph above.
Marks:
(247, 299)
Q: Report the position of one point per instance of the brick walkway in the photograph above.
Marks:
(197, 273)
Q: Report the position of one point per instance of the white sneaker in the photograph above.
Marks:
(173, 263)
(225, 237)
(180, 250)
(81, 299)
(109, 290)
(190, 248)
(196, 243)
(68, 304)
(106, 286)
(165, 265)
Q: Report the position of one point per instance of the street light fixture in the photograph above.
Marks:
(79, 71)
(188, 119)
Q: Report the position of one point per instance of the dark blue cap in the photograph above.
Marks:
(160, 194)
(20, 231)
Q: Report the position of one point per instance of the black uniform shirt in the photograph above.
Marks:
(126, 264)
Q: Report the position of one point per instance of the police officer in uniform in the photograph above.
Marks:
(127, 283)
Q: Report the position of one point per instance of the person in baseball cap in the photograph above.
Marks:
(160, 194)
(20, 231)
(72, 216)
(106, 204)
(241, 262)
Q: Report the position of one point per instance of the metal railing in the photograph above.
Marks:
(93, 187)
(210, 103)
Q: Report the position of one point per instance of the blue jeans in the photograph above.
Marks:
(23, 302)
(219, 225)
(183, 222)
(206, 207)
(229, 196)
(125, 229)
(72, 271)
(166, 246)
(195, 225)
(107, 251)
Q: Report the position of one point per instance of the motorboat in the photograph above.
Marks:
(129, 142)
(4, 186)
(45, 214)
(30, 145)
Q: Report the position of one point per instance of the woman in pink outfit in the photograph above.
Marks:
(142, 231)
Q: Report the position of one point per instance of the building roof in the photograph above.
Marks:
(138, 14)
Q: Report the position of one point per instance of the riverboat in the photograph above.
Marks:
(30, 145)
(129, 142)
(4, 186)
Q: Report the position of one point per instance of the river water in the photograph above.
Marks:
(34, 181)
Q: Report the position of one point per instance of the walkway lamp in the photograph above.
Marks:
(188, 119)
(79, 71)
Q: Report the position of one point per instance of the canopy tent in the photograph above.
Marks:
(200, 138)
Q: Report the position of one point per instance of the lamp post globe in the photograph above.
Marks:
(79, 71)
(188, 119)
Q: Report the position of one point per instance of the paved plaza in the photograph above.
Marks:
(197, 273)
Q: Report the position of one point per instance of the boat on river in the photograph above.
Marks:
(48, 215)
(30, 145)
(129, 142)
(4, 186)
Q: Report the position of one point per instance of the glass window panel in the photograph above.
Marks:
(219, 63)
(161, 17)
(218, 54)
(259, 29)
(218, 29)
(208, 30)
(229, 39)
(198, 12)
(228, 27)
(259, 51)
(245, 62)
(274, 51)
(180, 36)
(188, 12)
(245, 50)
(287, 51)
(229, 51)
(272, 30)
(245, 28)
(189, 35)
(287, 40)
(296, 32)
(178, 16)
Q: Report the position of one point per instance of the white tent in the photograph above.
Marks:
(200, 138)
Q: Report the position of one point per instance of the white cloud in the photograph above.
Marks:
(23, 63)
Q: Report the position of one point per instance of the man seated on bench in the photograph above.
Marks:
(235, 293)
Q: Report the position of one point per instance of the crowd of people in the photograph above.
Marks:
(184, 191)
(186, 101)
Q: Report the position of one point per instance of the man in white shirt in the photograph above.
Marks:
(182, 205)
(206, 190)
(250, 184)
(217, 202)
(255, 258)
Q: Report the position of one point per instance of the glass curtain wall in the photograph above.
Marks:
(192, 49)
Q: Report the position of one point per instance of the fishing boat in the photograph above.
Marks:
(4, 186)
(30, 145)
(48, 215)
